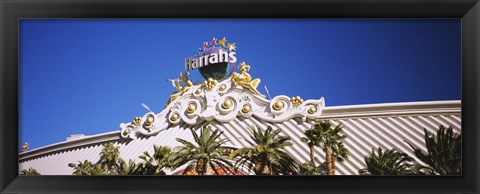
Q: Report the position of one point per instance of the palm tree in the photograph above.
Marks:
(130, 168)
(109, 164)
(87, 168)
(308, 169)
(266, 156)
(206, 153)
(340, 154)
(154, 164)
(331, 140)
(312, 138)
(390, 162)
(29, 171)
(109, 158)
(444, 155)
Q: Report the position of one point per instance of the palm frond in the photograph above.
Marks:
(443, 155)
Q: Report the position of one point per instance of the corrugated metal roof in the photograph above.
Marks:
(366, 126)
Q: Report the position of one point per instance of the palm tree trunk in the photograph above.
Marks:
(105, 168)
(201, 166)
(334, 159)
(258, 167)
(267, 169)
(329, 158)
(312, 155)
(262, 166)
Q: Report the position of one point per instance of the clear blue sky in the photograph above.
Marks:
(88, 76)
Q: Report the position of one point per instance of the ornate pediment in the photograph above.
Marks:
(222, 102)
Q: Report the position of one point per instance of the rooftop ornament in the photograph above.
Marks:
(181, 89)
(25, 147)
(244, 79)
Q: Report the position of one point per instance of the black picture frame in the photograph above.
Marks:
(12, 10)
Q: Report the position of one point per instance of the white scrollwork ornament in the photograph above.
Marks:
(223, 103)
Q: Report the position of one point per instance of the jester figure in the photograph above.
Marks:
(245, 80)
(181, 89)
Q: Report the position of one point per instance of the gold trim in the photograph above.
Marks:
(150, 119)
(174, 117)
(191, 108)
(246, 108)
(210, 84)
(296, 101)
(278, 105)
(136, 121)
(223, 87)
(227, 104)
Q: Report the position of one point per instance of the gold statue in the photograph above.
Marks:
(181, 89)
(25, 147)
(245, 80)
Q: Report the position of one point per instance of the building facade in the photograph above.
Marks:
(230, 102)
(388, 125)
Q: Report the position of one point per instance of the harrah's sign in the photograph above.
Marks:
(212, 58)
(213, 52)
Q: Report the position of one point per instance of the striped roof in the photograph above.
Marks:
(386, 125)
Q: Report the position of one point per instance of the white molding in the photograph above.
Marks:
(394, 109)
(70, 144)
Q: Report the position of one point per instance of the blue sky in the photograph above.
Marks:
(89, 75)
